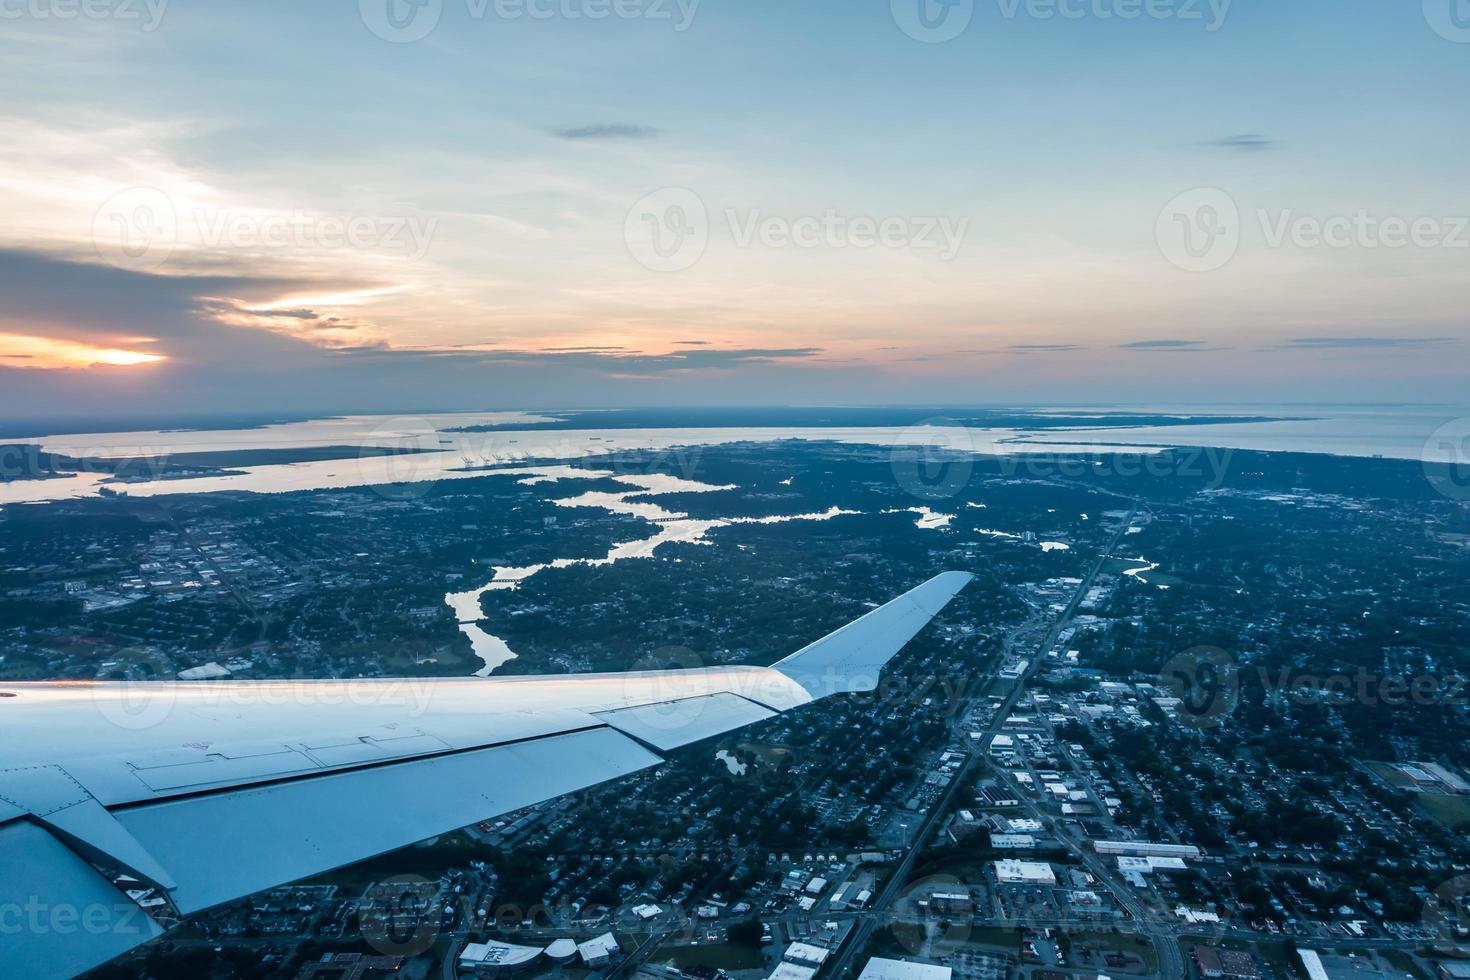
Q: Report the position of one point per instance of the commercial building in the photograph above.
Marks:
(1327, 966)
(1013, 842)
(1145, 849)
(497, 958)
(879, 968)
(793, 971)
(1025, 873)
(562, 951)
(806, 954)
(598, 951)
(952, 903)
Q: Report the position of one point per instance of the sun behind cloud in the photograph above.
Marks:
(41, 353)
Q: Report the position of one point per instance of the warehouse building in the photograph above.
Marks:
(1145, 849)
(1025, 873)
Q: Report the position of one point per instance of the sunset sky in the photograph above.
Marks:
(286, 206)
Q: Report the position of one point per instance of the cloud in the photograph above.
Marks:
(1022, 349)
(607, 131)
(693, 343)
(225, 353)
(588, 350)
(621, 363)
(1364, 343)
(1181, 346)
(1244, 143)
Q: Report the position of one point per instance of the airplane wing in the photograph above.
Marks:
(208, 792)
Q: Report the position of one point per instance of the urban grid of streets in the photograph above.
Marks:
(1160, 930)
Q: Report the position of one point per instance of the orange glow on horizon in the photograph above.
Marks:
(43, 353)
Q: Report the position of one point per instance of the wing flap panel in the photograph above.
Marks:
(670, 724)
(225, 845)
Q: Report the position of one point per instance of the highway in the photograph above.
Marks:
(858, 940)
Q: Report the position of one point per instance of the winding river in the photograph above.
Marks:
(672, 526)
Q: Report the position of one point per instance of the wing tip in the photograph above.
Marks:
(848, 661)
